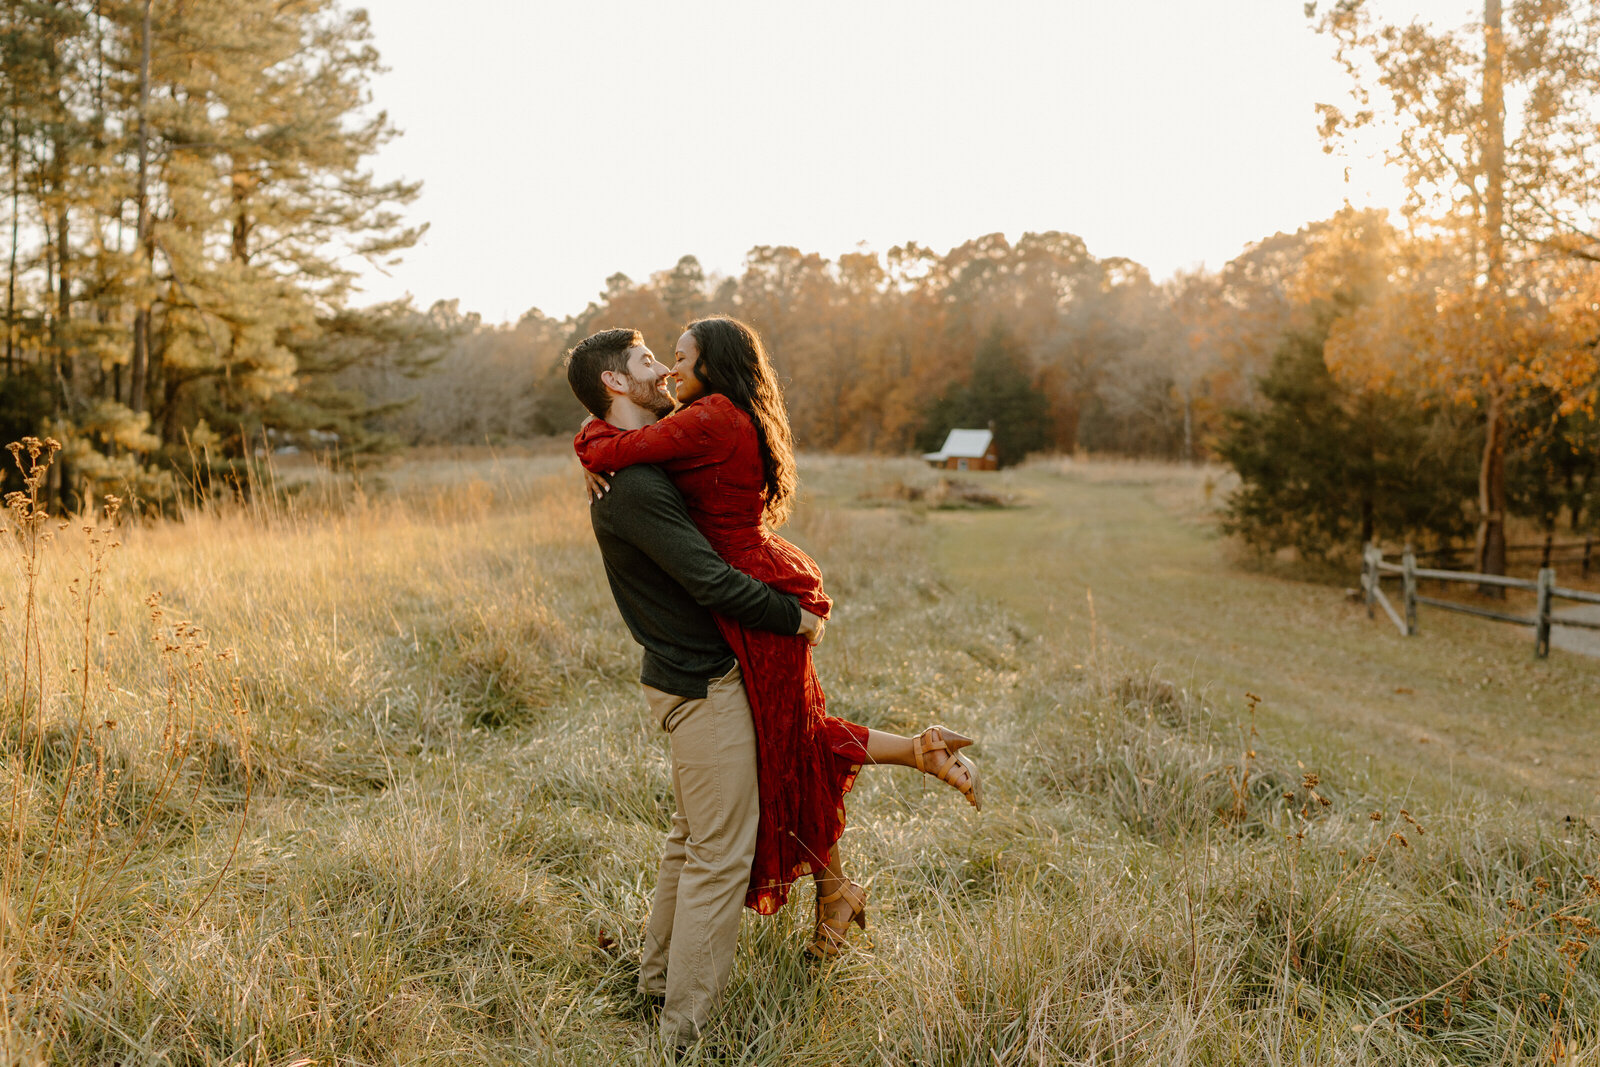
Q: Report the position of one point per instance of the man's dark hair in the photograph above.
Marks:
(591, 357)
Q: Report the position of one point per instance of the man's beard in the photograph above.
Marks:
(649, 397)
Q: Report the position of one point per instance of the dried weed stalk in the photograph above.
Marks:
(83, 797)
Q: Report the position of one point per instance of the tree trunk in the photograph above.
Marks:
(1188, 426)
(66, 354)
(170, 428)
(11, 273)
(1492, 472)
(141, 319)
(63, 277)
(240, 189)
(1492, 498)
(1494, 147)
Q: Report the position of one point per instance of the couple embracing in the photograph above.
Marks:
(684, 495)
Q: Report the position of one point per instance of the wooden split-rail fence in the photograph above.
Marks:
(1549, 551)
(1374, 568)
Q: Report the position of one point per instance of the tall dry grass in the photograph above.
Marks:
(417, 809)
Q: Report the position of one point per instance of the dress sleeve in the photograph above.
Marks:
(703, 430)
(650, 515)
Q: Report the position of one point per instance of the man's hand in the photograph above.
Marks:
(811, 626)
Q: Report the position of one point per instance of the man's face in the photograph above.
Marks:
(647, 381)
(689, 386)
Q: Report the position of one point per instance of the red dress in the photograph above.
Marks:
(807, 759)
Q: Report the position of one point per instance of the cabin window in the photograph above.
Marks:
(961, 464)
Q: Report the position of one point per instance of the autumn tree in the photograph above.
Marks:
(1125, 351)
(683, 290)
(1494, 125)
(867, 345)
(913, 351)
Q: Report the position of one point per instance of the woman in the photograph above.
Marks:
(728, 450)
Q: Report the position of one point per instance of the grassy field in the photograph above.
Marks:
(371, 783)
(1464, 710)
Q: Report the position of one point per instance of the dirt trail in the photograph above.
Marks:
(1583, 642)
(1464, 709)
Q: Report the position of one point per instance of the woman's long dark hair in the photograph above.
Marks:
(734, 362)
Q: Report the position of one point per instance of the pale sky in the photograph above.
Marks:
(560, 141)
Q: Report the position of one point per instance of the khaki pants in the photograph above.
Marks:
(693, 931)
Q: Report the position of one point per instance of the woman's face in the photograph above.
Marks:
(688, 387)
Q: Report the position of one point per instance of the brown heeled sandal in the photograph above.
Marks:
(959, 772)
(829, 940)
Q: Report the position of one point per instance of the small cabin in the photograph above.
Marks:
(966, 450)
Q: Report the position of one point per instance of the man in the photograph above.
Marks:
(667, 581)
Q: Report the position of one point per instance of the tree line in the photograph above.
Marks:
(885, 352)
(186, 194)
(1271, 364)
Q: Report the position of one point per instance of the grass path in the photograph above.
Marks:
(1465, 708)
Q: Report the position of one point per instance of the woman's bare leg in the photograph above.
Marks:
(894, 750)
(884, 747)
(830, 880)
(887, 748)
(890, 750)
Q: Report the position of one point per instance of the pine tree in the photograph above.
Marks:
(1325, 468)
(187, 199)
(999, 394)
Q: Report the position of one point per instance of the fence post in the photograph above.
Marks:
(1409, 561)
(1541, 639)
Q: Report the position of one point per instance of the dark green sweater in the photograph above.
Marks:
(667, 580)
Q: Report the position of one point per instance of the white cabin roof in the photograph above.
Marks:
(963, 444)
